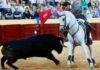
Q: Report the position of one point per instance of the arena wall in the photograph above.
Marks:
(16, 29)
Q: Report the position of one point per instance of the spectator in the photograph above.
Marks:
(88, 12)
(18, 2)
(26, 2)
(5, 4)
(58, 7)
(41, 1)
(36, 15)
(26, 14)
(8, 14)
(33, 2)
(52, 2)
(96, 11)
(31, 9)
(48, 6)
(13, 7)
(17, 14)
(57, 1)
(1, 8)
(22, 7)
(53, 9)
(76, 5)
(83, 5)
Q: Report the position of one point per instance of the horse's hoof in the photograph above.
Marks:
(96, 65)
(91, 66)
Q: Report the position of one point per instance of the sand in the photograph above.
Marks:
(37, 63)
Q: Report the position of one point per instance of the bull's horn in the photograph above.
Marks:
(61, 43)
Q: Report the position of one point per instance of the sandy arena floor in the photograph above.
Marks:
(36, 63)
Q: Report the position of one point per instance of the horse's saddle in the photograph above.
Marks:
(88, 40)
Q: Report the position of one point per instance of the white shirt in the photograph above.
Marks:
(41, 1)
(89, 14)
(32, 1)
(57, 0)
(22, 9)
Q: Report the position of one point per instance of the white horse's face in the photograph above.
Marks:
(62, 23)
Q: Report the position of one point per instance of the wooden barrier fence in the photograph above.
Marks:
(16, 29)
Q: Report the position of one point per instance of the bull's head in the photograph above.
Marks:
(59, 46)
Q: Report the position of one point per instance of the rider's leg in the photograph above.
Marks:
(89, 40)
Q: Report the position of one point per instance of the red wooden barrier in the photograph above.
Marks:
(94, 36)
(49, 29)
(9, 32)
(0, 34)
(98, 31)
(27, 30)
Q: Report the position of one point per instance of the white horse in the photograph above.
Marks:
(76, 35)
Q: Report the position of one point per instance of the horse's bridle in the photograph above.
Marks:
(67, 28)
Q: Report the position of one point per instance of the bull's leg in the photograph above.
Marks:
(70, 49)
(10, 62)
(89, 59)
(51, 57)
(3, 59)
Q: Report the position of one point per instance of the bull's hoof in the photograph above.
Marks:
(16, 68)
(57, 62)
(4, 68)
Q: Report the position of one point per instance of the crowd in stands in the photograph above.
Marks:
(28, 9)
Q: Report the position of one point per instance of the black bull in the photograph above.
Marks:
(35, 46)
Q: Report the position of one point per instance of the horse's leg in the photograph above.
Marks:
(91, 54)
(70, 49)
(73, 50)
(91, 50)
(89, 59)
